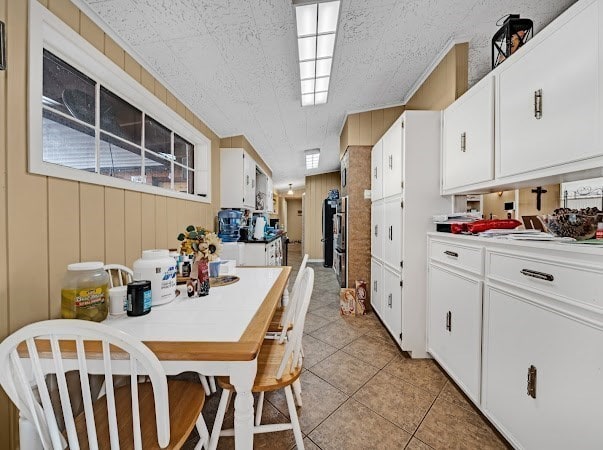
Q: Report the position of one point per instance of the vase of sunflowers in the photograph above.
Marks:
(206, 246)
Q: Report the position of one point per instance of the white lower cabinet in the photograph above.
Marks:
(533, 360)
(392, 227)
(392, 303)
(377, 286)
(543, 374)
(454, 320)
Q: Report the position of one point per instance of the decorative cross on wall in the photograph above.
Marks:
(539, 191)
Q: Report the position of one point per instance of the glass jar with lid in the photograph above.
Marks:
(84, 294)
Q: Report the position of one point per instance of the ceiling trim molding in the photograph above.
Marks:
(431, 67)
(98, 20)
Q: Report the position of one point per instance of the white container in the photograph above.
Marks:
(160, 269)
(118, 300)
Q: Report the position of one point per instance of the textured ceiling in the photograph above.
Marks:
(234, 62)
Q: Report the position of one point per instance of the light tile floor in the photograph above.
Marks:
(361, 392)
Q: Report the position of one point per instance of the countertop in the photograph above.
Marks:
(587, 249)
(264, 241)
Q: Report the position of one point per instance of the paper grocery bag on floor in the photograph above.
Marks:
(360, 297)
(347, 301)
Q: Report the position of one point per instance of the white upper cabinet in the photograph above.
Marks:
(377, 171)
(468, 138)
(237, 179)
(548, 98)
(392, 159)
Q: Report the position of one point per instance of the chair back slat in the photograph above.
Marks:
(135, 408)
(64, 394)
(122, 271)
(47, 437)
(86, 394)
(110, 394)
(293, 345)
(20, 369)
(52, 427)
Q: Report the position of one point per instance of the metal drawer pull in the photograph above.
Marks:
(449, 321)
(389, 300)
(376, 230)
(538, 275)
(375, 170)
(375, 285)
(391, 233)
(532, 381)
(453, 254)
(463, 141)
(538, 104)
(391, 161)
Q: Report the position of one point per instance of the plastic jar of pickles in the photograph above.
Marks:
(84, 294)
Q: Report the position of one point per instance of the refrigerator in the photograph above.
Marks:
(328, 211)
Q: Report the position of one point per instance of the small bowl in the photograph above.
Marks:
(577, 226)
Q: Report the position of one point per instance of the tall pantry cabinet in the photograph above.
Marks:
(405, 194)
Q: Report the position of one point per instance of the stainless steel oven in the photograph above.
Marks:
(340, 241)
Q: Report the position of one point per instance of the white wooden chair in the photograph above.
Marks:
(284, 317)
(279, 366)
(113, 421)
(118, 275)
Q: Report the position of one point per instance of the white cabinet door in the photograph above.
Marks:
(566, 358)
(392, 235)
(454, 330)
(392, 159)
(377, 171)
(392, 303)
(377, 229)
(468, 137)
(377, 286)
(549, 108)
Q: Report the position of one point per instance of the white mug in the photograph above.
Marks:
(118, 300)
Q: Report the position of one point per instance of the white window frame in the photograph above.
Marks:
(46, 31)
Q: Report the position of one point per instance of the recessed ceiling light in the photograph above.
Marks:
(316, 28)
(312, 157)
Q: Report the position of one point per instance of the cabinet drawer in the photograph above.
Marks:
(457, 255)
(577, 283)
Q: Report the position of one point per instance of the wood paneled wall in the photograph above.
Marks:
(45, 222)
(242, 142)
(366, 128)
(317, 187)
(447, 82)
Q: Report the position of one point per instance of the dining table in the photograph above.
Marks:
(216, 335)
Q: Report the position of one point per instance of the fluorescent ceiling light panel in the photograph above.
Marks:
(312, 157)
(323, 67)
(320, 98)
(322, 84)
(306, 20)
(316, 30)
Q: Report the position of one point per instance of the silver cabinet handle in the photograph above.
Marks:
(375, 170)
(247, 180)
(391, 233)
(391, 161)
(452, 254)
(376, 230)
(538, 104)
(389, 300)
(532, 381)
(375, 285)
(463, 141)
(449, 321)
(538, 275)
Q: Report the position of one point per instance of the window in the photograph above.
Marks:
(89, 121)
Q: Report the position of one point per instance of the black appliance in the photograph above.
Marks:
(339, 241)
(328, 211)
